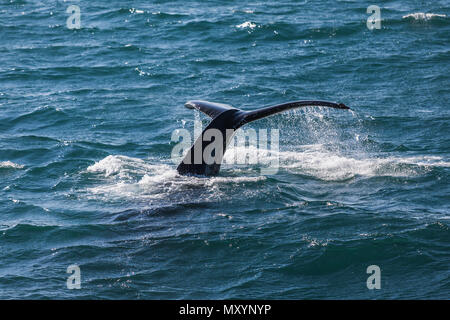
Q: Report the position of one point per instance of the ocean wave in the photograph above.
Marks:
(44, 112)
(39, 118)
(423, 16)
(10, 165)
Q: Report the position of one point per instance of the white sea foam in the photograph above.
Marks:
(246, 25)
(11, 165)
(318, 162)
(132, 178)
(125, 177)
(119, 165)
(137, 11)
(329, 166)
(423, 16)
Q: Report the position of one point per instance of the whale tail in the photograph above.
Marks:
(201, 159)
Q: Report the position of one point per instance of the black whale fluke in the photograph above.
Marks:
(227, 119)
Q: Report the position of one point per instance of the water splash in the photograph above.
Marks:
(121, 177)
(423, 16)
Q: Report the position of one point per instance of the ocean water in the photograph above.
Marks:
(86, 177)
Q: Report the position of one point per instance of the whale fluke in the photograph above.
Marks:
(225, 121)
(211, 109)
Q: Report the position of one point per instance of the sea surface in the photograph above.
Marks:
(86, 176)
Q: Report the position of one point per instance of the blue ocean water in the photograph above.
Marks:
(86, 118)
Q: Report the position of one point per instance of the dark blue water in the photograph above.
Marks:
(86, 118)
